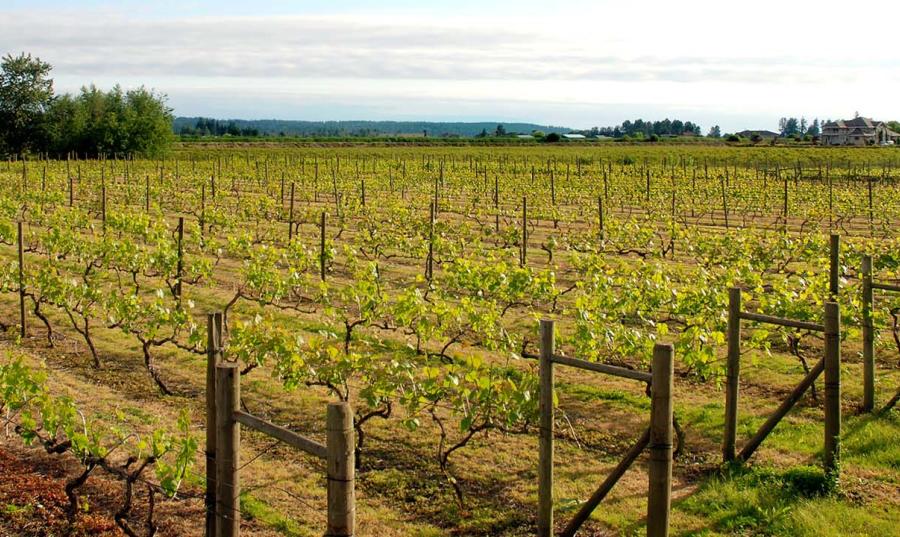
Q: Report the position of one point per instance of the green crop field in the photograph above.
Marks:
(418, 302)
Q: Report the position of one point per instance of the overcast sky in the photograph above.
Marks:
(573, 63)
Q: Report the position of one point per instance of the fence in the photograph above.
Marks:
(223, 442)
(868, 328)
(830, 364)
(658, 437)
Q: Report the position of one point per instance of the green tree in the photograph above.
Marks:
(26, 91)
(715, 132)
(500, 131)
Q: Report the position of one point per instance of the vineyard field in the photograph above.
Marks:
(409, 282)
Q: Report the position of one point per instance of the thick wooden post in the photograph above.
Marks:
(228, 442)
(545, 448)
(213, 356)
(341, 471)
(322, 248)
(733, 373)
(834, 266)
(832, 388)
(20, 240)
(659, 495)
(868, 334)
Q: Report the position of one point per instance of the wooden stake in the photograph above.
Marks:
(545, 448)
(228, 441)
(322, 248)
(341, 471)
(179, 274)
(213, 357)
(524, 252)
(291, 215)
(660, 447)
(868, 331)
(834, 266)
(20, 239)
(733, 373)
(832, 388)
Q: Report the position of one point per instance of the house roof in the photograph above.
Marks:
(862, 122)
(860, 132)
(573, 136)
(761, 132)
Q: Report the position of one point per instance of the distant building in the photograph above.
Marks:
(764, 134)
(573, 136)
(525, 137)
(858, 131)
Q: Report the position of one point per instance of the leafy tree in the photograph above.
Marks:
(552, 137)
(114, 122)
(715, 132)
(789, 126)
(815, 129)
(500, 131)
(26, 91)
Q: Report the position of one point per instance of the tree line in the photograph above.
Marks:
(93, 122)
(646, 129)
(791, 127)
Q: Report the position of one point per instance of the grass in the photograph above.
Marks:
(794, 502)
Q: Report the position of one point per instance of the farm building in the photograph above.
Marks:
(858, 131)
(574, 136)
(764, 134)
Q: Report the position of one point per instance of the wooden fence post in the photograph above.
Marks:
(832, 388)
(341, 471)
(868, 333)
(834, 266)
(733, 373)
(228, 442)
(660, 488)
(213, 356)
(545, 449)
(20, 240)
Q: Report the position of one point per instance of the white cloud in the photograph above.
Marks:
(761, 59)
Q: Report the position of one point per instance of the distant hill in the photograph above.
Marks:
(278, 127)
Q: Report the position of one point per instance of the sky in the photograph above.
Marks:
(741, 65)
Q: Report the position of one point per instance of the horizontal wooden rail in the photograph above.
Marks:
(886, 286)
(614, 370)
(280, 433)
(781, 321)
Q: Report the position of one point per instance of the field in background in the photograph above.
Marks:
(426, 328)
